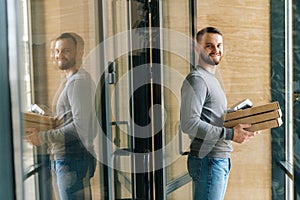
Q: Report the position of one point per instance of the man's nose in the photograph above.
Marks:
(58, 54)
(214, 48)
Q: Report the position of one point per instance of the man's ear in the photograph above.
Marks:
(80, 53)
(197, 47)
(197, 50)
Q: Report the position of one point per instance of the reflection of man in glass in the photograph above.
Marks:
(71, 143)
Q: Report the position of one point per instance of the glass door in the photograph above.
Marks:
(126, 91)
(177, 22)
(138, 56)
(146, 58)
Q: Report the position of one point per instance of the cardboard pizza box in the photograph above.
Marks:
(260, 117)
(253, 119)
(41, 122)
(251, 111)
(265, 125)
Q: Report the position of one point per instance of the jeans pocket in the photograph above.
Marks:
(222, 164)
(194, 165)
(61, 166)
(65, 176)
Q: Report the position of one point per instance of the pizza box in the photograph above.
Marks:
(251, 111)
(260, 117)
(38, 121)
(265, 125)
(253, 119)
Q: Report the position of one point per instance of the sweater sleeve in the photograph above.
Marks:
(194, 122)
(77, 121)
(80, 97)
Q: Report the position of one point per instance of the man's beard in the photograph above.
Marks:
(67, 65)
(207, 59)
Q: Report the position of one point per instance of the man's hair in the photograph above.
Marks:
(67, 36)
(77, 39)
(207, 30)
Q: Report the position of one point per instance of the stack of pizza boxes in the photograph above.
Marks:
(261, 117)
(40, 118)
(38, 121)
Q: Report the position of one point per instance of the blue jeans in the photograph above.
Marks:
(210, 177)
(71, 178)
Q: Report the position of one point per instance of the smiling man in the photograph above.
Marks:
(71, 144)
(203, 104)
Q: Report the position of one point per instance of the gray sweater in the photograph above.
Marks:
(75, 106)
(203, 104)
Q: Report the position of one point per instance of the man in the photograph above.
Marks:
(71, 144)
(203, 104)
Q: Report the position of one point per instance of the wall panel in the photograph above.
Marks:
(245, 73)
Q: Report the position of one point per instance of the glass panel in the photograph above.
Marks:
(29, 184)
(125, 16)
(278, 93)
(42, 21)
(22, 99)
(175, 66)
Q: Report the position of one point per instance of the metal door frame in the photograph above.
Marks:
(7, 175)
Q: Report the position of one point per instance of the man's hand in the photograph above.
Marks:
(33, 136)
(241, 135)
